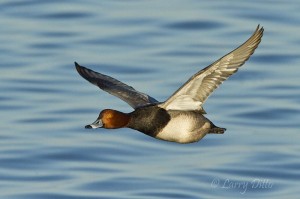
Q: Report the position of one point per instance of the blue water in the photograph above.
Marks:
(154, 46)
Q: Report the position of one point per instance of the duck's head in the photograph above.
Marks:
(110, 119)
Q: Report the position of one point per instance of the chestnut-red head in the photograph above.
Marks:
(110, 119)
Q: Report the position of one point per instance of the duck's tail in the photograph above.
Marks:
(216, 130)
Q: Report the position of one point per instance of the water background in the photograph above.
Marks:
(154, 46)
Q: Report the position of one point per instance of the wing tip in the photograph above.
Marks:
(257, 36)
(259, 27)
(81, 70)
(259, 31)
(78, 67)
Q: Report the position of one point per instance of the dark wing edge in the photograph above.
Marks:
(115, 87)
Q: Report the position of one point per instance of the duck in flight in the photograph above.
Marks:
(181, 117)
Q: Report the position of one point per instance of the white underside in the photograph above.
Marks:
(182, 130)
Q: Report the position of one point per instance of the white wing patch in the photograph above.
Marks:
(184, 102)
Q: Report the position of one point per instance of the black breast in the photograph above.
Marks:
(149, 120)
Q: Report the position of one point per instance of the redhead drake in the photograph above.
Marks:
(180, 118)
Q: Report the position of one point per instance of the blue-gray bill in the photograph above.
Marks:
(97, 124)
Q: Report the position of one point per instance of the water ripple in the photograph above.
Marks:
(55, 195)
(66, 15)
(194, 25)
(276, 58)
(269, 114)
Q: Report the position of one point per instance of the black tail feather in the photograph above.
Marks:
(217, 130)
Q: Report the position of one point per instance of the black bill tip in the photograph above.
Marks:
(88, 126)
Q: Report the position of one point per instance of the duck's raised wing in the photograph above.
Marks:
(196, 90)
(115, 87)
